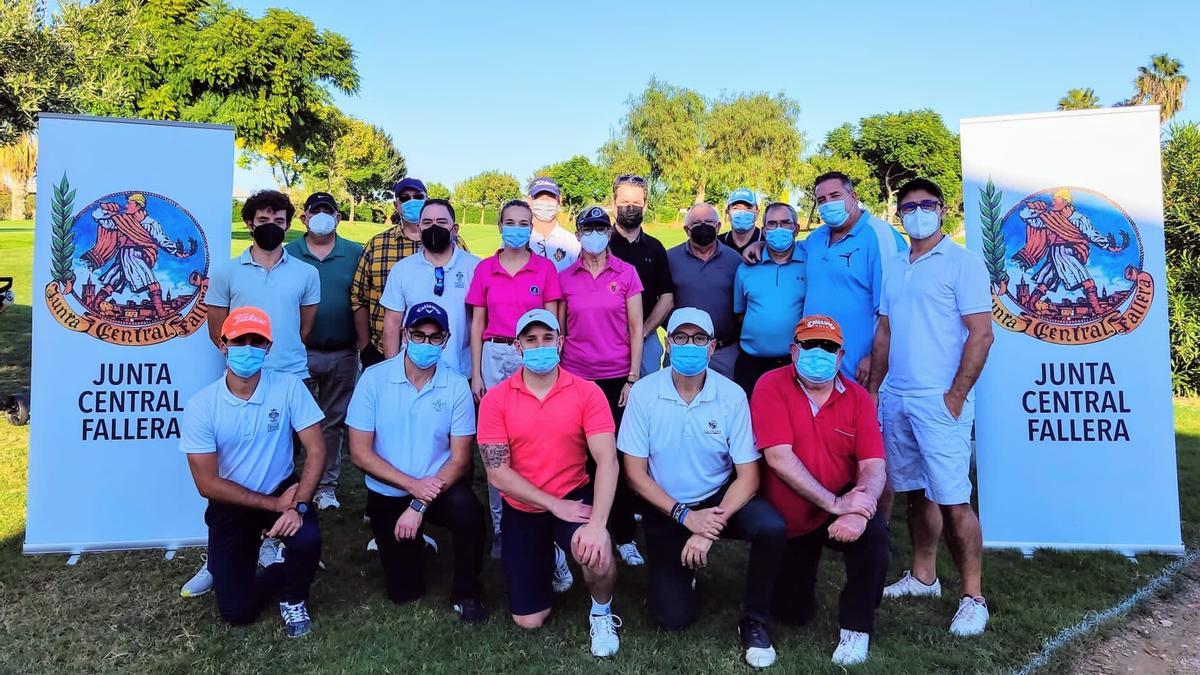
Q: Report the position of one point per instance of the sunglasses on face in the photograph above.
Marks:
(321, 208)
(589, 228)
(924, 205)
(405, 197)
(827, 345)
(439, 280)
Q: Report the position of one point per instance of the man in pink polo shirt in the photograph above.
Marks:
(535, 432)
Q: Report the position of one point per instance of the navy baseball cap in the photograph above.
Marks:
(592, 214)
(413, 183)
(320, 198)
(427, 311)
(544, 184)
(742, 196)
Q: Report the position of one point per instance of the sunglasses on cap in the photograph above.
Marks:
(828, 345)
(629, 178)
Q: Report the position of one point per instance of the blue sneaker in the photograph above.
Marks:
(295, 619)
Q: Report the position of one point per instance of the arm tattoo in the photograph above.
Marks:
(494, 454)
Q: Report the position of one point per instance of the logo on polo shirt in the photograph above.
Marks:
(560, 254)
(273, 416)
(847, 255)
(612, 288)
(712, 429)
(439, 405)
(534, 290)
(458, 280)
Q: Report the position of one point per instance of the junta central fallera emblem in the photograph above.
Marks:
(1065, 265)
(130, 268)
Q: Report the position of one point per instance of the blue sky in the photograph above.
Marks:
(467, 86)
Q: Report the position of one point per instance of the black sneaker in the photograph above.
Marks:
(756, 643)
(471, 610)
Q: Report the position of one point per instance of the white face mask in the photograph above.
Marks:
(321, 224)
(544, 212)
(921, 224)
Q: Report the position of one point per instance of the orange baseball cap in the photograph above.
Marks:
(246, 321)
(818, 327)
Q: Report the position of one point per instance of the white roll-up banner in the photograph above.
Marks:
(1075, 432)
(131, 217)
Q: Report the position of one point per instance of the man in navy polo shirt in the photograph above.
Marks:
(237, 433)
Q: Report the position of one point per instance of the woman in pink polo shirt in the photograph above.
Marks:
(601, 309)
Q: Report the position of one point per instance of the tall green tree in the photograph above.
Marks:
(1181, 201)
(34, 76)
(363, 163)
(487, 189)
(620, 156)
(436, 190)
(205, 61)
(1161, 82)
(1079, 99)
(666, 124)
(581, 182)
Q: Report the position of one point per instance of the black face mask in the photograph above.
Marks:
(703, 235)
(435, 238)
(629, 217)
(268, 236)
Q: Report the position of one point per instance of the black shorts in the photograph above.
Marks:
(527, 555)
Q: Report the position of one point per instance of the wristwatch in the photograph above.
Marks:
(301, 508)
(418, 506)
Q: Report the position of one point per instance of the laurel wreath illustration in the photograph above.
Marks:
(993, 235)
(63, 248)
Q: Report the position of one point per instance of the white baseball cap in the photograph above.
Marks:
(690, 315)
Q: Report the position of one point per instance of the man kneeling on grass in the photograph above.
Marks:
(689, 452)
(412, 423)
(536, 430)
(237, 433)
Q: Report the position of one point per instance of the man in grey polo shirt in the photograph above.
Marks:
(703, 270)
(332, 352)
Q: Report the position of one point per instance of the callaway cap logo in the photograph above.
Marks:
(818, 323)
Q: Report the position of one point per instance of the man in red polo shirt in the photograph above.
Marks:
(536, 430)
(820, 436)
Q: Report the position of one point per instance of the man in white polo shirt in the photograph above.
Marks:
(412, 426)
(689, 452)
(440, 273)
(933, 338)
(237, 433)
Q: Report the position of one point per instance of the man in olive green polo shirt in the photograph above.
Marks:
(332, 346)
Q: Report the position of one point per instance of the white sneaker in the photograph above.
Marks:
(372, 546)
(631, 555)
(605, 641)
(270, 552)
(852, 648)
(910, 586)
(563, 579)
(296, 622)
(200, 583)
(971, 617)
(326, 498)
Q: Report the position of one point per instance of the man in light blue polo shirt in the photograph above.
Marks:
(237, 433)
(933, 339)
(267, 277)
(846, 268)
(768, 297)
(412, 426)
(689, 452)
(440, 273)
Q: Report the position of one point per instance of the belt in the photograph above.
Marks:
(502, 341)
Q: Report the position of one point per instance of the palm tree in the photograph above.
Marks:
(1162, 82)
(1079, 99)
(17, 164)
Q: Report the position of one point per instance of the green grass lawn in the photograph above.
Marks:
(121, 611)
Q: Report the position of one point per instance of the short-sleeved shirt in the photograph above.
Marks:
(691, 447)
(413, 281)
(597, 345)
(506, 297)
(280, 292)
(412, 427)
(649, 258)
(252, 438)
(845, 281)
(830, 442)
(560, 247)
(925, 301)
(334, 326)
(547, 438)
(727, 239)
(707, 285)
(771, 295)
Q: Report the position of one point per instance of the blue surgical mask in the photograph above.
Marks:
(689, 360)
(816, 365)
(834, 212)
(742, 221)
(540, 360)
(515, 236)
(411, 209)
(244, 360)
(423, 355)
(594, 242)
(921, 223)
(780, 239)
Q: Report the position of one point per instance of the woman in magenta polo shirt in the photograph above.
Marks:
(601, 309)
